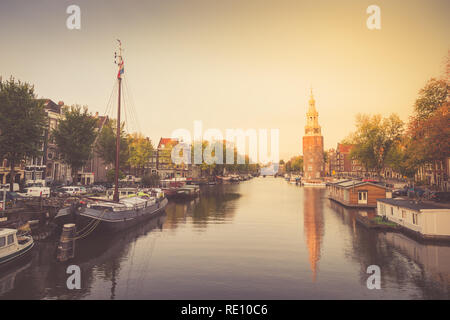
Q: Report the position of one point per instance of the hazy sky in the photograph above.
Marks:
(231, 63)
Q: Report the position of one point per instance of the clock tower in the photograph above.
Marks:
(313, 164)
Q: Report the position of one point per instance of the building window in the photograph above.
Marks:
(392, 211)
(403, 214)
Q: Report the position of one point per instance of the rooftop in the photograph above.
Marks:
(5, 231)
(417, 206)
(348, 183)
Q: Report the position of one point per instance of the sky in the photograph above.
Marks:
(233, 64)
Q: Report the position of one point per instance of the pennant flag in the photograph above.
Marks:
(121, 70)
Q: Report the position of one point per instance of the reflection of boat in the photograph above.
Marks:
(8, 279)
(13, 247)
(187, 192)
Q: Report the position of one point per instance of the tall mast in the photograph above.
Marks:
(119, 62)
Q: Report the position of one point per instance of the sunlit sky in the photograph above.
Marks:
(231, 63)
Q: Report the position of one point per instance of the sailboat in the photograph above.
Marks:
(125, 209)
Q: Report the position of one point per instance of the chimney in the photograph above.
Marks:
(96, 114)
(61, 103)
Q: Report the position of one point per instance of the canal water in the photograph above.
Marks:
(260, 239)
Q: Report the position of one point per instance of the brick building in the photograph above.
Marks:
(313, 162)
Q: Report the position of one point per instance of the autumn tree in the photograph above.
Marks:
(428, 129)
(374, 139)
(140, 150)
(75, 136)
(22, 123)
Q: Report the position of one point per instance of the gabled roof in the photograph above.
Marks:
(344, 148)
(353, 183)
(167, 141)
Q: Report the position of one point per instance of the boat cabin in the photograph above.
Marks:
(356, 193)
(123, 192)
(7, 239)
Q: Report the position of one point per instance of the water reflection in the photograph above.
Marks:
(216, 205)
(99, 257)
(313, 223)
(242, 241)
(405, 263)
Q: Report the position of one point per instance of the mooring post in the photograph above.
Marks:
(66, 247)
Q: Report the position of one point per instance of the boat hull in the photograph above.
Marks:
(114, 223)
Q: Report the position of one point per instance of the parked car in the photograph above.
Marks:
(440, 196)
(36, 191)
(98, 189)
(400, 192)
(71, 190)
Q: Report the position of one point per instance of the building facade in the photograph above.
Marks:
(95, 169)
(49, 166)
(313, 161)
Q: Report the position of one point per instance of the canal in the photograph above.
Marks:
(260, 239)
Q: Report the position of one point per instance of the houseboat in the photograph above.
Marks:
(13, 246)
(425, 220)
(354, 193)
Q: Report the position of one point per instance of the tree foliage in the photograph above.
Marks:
(106, 144)
(140, 149)
(22, 123)
(374, 139)
(150, 180)
(431, 97)
(75, 136)
(295, 164)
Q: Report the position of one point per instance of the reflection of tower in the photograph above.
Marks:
(313, 164)
(313, 225)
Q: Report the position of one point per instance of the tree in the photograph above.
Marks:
(111, 175)
(295, 164)
(151, 180)
(431, 97)
(75, 136)
(140, 150)
(374, 139)
(106, 144)
(22, 123)
(428, 129)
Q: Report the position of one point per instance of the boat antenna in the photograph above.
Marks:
(119, 61)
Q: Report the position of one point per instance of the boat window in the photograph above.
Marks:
(2, 242)
(10, 239)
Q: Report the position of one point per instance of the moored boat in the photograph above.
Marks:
(119, 210)
(314, 183)
(13, 246)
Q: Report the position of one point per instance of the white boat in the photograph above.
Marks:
(12, 246)
(314, 183)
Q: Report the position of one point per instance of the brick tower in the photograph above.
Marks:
(313, 164)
